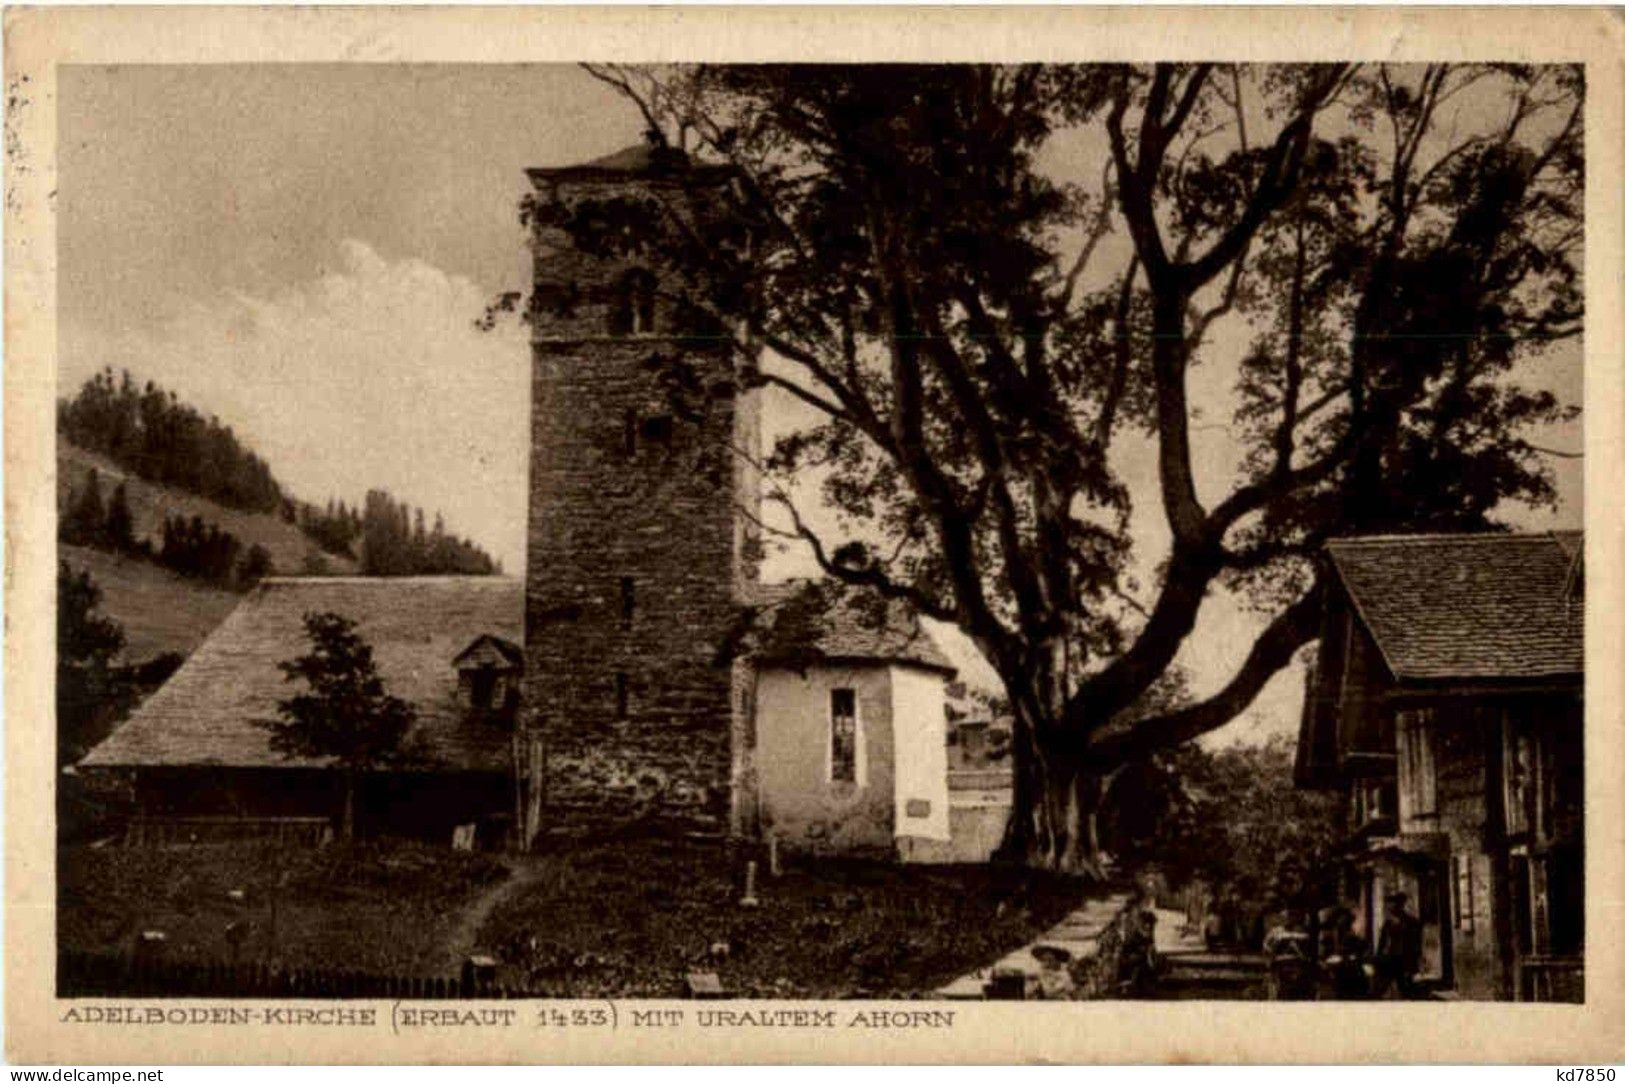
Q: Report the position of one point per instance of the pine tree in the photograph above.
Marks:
(86, 644)
(120, 531)
(254, 566)
(347, 715)
(86, 521)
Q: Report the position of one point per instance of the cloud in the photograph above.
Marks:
(370, 375)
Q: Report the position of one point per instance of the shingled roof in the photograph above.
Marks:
(804, 623)
(1477, 606)
(206, 713)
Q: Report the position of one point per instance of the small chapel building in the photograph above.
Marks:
(842, 744)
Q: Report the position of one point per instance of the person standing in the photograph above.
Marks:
(1292, 971)
(1345, 958)
(1399, 948)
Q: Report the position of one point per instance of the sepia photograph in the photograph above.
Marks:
(920, 533)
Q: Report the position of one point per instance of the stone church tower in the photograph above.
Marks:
(638, 554)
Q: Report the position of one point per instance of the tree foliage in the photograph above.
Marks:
(188, 546)
(84, 521)
(981, 339)
(394, 542)
(334, 528)
(346, 715)
(87, 641)
(201, 550)
(150, 432)
(1231, 818)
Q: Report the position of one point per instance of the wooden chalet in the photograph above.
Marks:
(1446, 703)
(196, 764)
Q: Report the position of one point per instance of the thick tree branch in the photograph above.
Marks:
(1135, 190)
(1173, 616)
(1282, 166)
(869, 576)
(969, 399)
(955, 531)
(1250, 498)
(1225, 304)
(1295, 626)
(1292, 377)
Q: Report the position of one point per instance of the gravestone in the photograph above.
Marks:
(705, 986)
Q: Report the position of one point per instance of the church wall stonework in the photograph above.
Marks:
(636, 553)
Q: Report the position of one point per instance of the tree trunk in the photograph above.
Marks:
(1055, 810)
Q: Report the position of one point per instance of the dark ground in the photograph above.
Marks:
(382, 908)
(633, 918)
(626, 918)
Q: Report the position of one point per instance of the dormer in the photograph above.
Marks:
(488, 678)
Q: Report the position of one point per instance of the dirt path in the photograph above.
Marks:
(462, 939)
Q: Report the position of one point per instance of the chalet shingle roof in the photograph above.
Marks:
(1479, 606)
(805, 623)
(206, 713)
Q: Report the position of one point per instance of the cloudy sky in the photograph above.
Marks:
(302, 251)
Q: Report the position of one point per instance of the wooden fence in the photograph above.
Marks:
(169, 831)
(83, 974)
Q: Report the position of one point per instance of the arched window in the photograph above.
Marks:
(634, 310)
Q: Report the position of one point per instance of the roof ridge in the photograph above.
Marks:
(1450, 536)
(448, 577)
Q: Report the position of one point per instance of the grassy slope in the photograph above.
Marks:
(150, 503)
(159, 610)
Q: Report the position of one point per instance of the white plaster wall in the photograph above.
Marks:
(799, 802)
(920, 729)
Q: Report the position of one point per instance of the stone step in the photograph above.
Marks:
(1021, 960)
(1017, 973)
(1201, 960)
(965, 988)
(1211, 978)
(1075, 947)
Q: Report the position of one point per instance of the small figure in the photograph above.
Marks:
(1138, 965)
(1055, 982)
(1399, 949)
(1292, 972)
(1345, 965)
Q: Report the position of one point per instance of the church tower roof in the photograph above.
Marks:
(645, 160)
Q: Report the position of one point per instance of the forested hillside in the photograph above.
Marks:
(151, 434)
(148, 476)
(152, 505)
